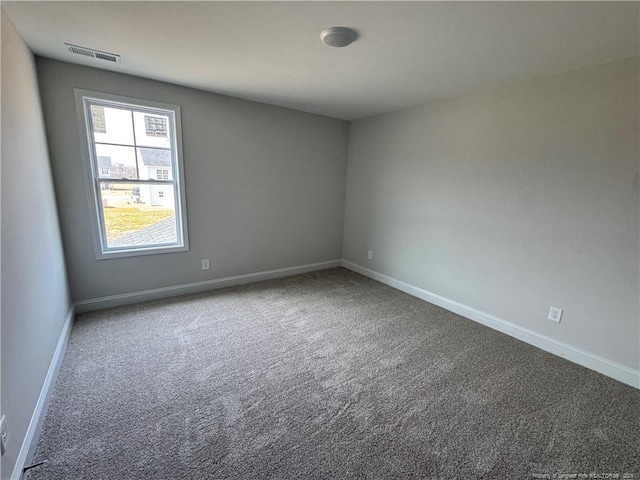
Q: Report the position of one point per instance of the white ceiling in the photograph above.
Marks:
(407, 53)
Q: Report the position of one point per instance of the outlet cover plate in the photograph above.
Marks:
(555, 314)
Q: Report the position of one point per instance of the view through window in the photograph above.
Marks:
(136, 175)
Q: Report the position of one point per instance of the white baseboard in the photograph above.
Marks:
(27, 449)
(175, 290)
(607, 367)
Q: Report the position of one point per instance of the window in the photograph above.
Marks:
(138, 201)
(156, 126)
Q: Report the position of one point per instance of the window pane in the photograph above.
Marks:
(112, 125)
(116, 162)
(152, 130)
(138, 214)
(155, 164)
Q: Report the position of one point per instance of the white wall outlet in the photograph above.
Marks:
(205, 264)
(555, 314)
(370, 254)
(4, 433)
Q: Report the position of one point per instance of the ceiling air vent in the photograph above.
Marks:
(90, 52)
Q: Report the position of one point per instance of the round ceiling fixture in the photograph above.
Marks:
(338, 36)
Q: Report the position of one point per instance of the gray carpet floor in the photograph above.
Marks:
(324, 375)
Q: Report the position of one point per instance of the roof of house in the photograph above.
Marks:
(156, 157)
(162, 232)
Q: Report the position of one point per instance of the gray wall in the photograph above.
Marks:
(265, 185)
(511, 201)
(35, 296)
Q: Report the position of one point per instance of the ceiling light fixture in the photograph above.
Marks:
(338, 36)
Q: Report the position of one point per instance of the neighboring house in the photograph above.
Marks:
(104, 166)
(156, 165)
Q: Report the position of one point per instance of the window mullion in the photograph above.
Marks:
(128, 145)
(150, 181)
(135, 143)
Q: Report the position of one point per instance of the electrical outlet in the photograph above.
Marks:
(555, 314)
(205, 264)
(4, 434)
(370, 254)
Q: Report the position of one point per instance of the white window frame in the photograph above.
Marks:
(84, 99)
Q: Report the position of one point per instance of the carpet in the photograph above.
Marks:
(325, 375)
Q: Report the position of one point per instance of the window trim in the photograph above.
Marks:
(90, 164)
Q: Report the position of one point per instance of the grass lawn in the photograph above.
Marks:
(119, 221)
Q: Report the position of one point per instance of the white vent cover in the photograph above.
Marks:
(90, 52)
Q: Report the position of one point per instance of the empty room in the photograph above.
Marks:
(320, 240)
